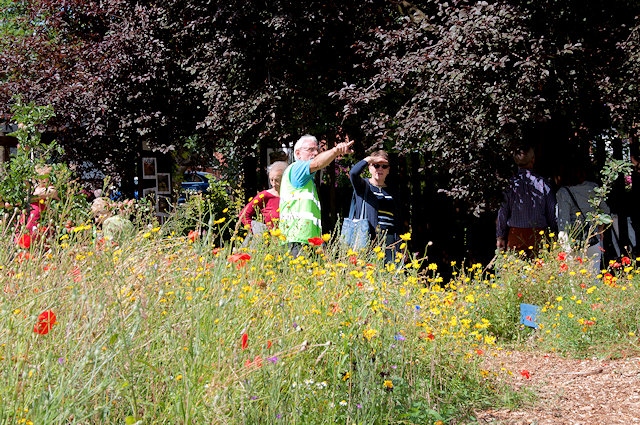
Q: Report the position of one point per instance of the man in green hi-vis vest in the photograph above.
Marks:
(299, 203)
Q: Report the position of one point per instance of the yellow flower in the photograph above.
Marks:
(406, 237)
(326, 237)
(220, 220)
(369, 333)
(275, 232)
(387, 384)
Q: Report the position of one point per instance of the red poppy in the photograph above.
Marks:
(268, 344)
(77, 274)
(519, 294)
(243, 256)
(564, 267)
(525, 373)
(100, 244)
(562, 256)
(625, 261)
(215, 251)
(24, 241)
(245, 341)
(315, 241)
(193, 235)
(240, 259)
(353, 260)
(22, 256)
(479, 352)
(257, 362)
(45, 322)
(431, 336)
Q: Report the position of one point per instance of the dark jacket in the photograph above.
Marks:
(364, 190)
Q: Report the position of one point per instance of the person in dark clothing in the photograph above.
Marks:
(374, 196)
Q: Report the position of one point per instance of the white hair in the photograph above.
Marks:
(278, 166)
(301, 141)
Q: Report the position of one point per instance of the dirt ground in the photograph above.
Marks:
(568, 391)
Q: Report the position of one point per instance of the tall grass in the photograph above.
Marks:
(167, 328)
(172, 329)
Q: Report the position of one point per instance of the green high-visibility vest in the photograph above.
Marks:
(299, 210)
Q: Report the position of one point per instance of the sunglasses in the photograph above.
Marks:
(383, 166)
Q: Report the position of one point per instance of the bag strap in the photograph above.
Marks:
(364, 196)
(574, 201)
(352, 207)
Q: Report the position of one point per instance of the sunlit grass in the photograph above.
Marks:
(168, 328)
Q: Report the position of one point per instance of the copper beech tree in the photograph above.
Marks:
(457, 83)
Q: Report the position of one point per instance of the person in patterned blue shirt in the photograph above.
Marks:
(527, 209)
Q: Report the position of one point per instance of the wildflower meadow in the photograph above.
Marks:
(169, 328)
(186, 322)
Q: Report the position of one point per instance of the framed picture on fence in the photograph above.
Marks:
(150, 193)
(149, 168)
(163, 206)
(163, 183)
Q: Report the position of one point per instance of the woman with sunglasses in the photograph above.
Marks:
(380, 207)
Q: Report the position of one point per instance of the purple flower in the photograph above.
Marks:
(399, 337)
(273, 359)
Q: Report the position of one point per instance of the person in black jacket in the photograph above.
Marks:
(379, 204)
